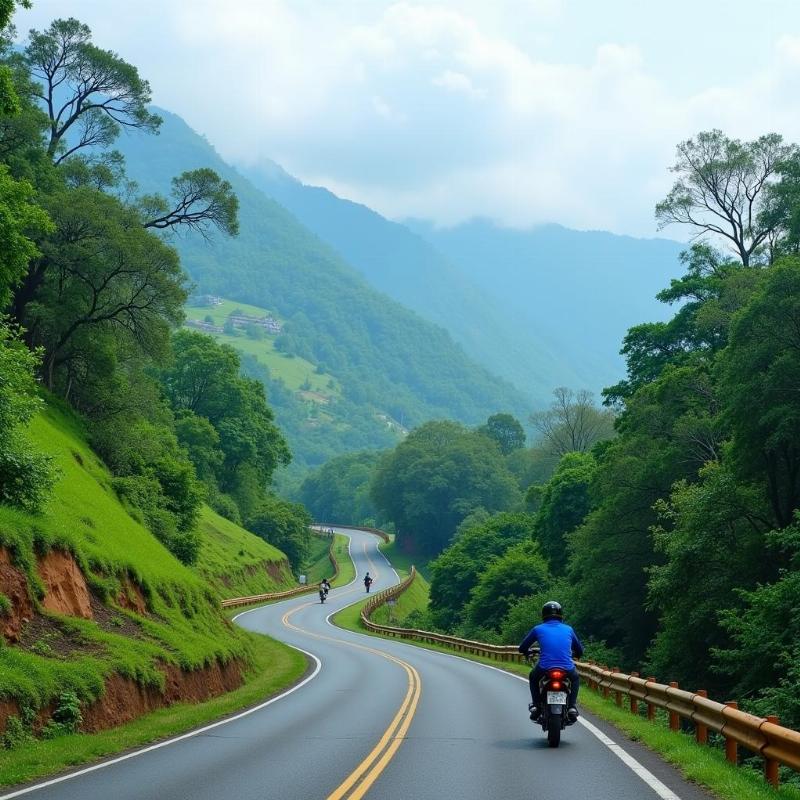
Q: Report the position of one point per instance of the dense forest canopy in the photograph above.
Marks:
(93, 290)
(667, 524)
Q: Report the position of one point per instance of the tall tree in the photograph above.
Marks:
(506, 430)
(573, 423)
(722, 188)
(85, 89)
(435, 478)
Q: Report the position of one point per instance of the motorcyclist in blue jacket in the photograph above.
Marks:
(557, 645)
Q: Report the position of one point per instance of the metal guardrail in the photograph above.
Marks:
(234, 602)
(762, 736)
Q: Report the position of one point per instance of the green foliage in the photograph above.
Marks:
(506, 431)
(518, 572)
(66, 717)
(5, 605)
(284, 525)
(91, 93)
(563, 505)
(339, 490)
(456, 571)
(26, 475)
(435, 478)
(223, 420)
(722, 190)
(21, 221)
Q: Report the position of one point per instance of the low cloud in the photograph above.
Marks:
(446, 110)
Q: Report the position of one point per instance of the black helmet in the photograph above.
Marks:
(552, 610)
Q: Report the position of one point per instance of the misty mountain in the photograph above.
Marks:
(388, 359)
(542, 307)
(408, 268)
(584, 289)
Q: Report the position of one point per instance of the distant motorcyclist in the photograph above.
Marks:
(557, 645)
(326, 585)
(367, 581)
(322, 593)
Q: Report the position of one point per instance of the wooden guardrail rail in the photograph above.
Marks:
(234, 602)
(762, 736)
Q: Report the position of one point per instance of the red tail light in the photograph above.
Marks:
(556, 674)
(555, 685)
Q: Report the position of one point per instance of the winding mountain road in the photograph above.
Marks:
(377, 718)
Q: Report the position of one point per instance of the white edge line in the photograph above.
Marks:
(158, 745)
(663, 791)
(102, 765)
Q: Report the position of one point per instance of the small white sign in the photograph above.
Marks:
(302, 579)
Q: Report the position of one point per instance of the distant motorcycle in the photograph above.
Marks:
(323, 593)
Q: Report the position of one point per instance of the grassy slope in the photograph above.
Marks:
(185, 626)
(319, 564)
(703, 765)
(274, 666)
(403, 562)
(233, 560)
(292, 370)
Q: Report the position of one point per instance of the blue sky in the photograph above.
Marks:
(525, 111)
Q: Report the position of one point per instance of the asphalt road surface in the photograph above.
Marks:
(379, 719)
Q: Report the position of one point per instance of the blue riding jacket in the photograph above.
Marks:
(557, 643)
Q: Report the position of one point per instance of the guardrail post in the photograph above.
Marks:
(617, 692)
(605, 688)
(731, 748)
(634, 701)
(674, 719)
(700, 730)
(771, 766)
(651, 709)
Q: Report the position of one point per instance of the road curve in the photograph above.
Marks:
(377, 718)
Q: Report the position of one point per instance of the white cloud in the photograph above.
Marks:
(522, 110)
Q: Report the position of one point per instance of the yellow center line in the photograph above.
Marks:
(367, 772)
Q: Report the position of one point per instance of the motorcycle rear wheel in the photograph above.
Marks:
(553, 731)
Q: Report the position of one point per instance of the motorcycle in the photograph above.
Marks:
(323, 593)
(554, 689)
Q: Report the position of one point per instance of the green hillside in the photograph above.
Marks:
(387, 359)
(297, 373)
(91, 593)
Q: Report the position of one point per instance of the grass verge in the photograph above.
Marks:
(275, 667)
(402, 562)
(341, 552)
(705, 766)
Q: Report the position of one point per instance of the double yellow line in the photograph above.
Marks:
(357, 784)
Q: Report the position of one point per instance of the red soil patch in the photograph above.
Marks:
(124, 699)
(131, 597)
(65, 587)
(14, 585)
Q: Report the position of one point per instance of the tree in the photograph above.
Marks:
(435, 478)
(455, 572)
(200, 199)
(760, 372)
(20, 219)
(339, 490)
(722, 187)
(85, 89)
(101, 272)
(26, 476)
(284, 525)
(573, 423)
(203, 385)
(506, 431)
(518, 572)
(564, 504)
